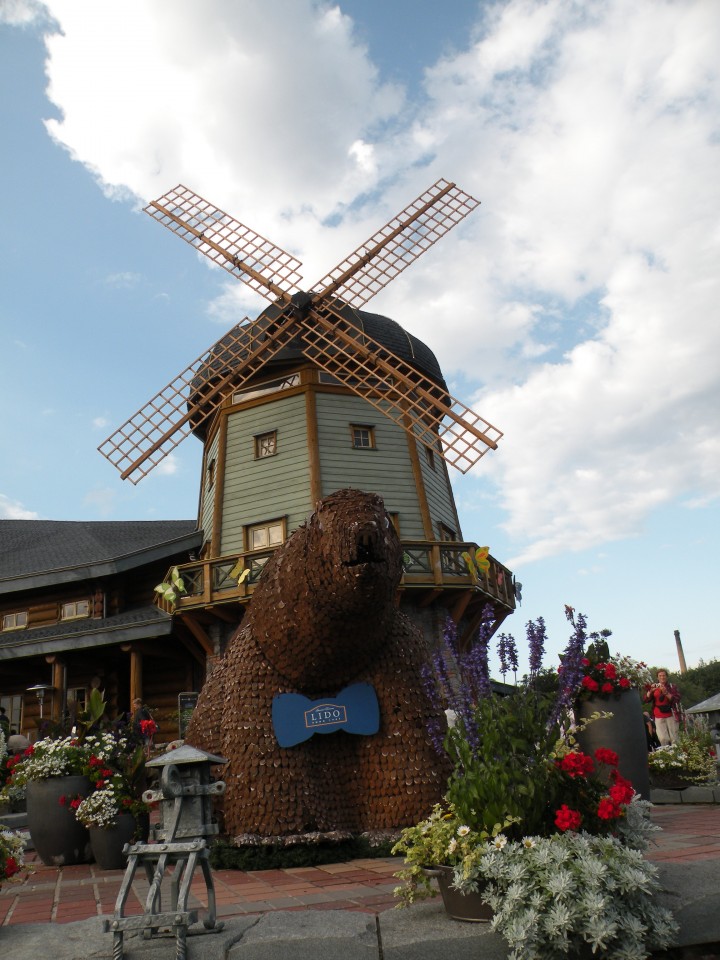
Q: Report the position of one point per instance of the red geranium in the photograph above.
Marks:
(11, 867)
(590, 684)
(608, 809)
(576, 764)
(567, 819)
(607, 688)
(622, 791)
(606, 756)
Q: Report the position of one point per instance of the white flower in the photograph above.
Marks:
(452, 846)
(528, 843)
(499, 842)
(463, 831)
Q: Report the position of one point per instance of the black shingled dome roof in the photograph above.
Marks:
(382, 329)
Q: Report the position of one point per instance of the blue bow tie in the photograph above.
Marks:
(295, 718)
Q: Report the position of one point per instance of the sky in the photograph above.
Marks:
(577, 308)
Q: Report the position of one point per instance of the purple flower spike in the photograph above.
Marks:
(536, 637)
(572, 665)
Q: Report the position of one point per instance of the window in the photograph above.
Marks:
(211, 474)
(15, 621)
(262, 535)
(446, 533)
(430, 457)
(13, 704)
(76, 699)
(270, 386)
(363, 436)
(74, 610)
(266, 445)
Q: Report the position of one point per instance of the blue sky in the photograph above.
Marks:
(577, 309)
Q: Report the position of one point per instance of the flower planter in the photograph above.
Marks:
(108, 843)
(624, 733)
(669, 780)
(59, 839)
(459, 906)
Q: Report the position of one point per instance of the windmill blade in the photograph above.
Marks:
(249, 257)
(196, 393)
(398, 244)
(399, 391)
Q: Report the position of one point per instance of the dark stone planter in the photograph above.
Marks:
(460, 906)
(59, 839)
(624, 733)
(667, 780)
(108, 842)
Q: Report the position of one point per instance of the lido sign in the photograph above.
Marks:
(296, 718)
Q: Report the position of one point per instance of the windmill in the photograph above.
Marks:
(321, 321)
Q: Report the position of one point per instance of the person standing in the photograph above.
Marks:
(665, 699)
(4, 723)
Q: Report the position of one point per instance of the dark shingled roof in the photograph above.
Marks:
(144, 622)
(388, 333)
(35, 553)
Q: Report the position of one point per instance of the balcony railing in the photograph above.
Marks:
(426, 564)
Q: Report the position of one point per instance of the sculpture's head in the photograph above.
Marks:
(327, 594)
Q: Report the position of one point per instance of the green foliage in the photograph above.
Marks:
(444, 838)
(699, 683)
(555, 897)
(225, 856)
(692, 757)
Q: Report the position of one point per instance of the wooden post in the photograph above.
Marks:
(136, 676)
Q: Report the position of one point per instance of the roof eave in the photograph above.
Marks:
(101, 568)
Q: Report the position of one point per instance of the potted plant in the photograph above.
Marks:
(60, 774)
(690, 761)
(114, 812)
(11, 855)
(48, 770)
(613, 682)
(527, 809)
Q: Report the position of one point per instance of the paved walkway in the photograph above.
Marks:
(691, 833)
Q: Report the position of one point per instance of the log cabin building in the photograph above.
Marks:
(77, 612)
(77, 600)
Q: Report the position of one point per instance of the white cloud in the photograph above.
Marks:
(125, 280)
(168, 466)
(21, 13)
(583, 294)
(14, 510)
(99, 423)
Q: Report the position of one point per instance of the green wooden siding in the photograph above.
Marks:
(439, 493)
(277, 486)
(207, 503)
(386, 470)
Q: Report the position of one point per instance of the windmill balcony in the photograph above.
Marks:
(435, 567)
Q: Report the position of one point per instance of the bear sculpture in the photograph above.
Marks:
(324, 616)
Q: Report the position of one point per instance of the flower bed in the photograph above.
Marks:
(549, 834)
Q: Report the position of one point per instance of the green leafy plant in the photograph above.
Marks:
(170, 591)
(11, 855)
(691, 758)
(444, 838)
(553, 896)
(549, 835)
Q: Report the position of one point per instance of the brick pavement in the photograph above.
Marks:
(62, 895)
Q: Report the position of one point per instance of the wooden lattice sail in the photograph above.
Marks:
(321, 321)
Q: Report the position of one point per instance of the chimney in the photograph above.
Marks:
(681, 655)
